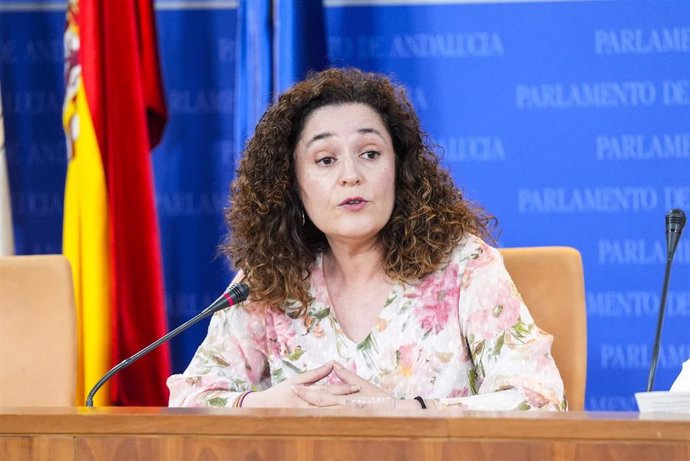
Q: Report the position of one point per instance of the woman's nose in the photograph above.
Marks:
(350, 174)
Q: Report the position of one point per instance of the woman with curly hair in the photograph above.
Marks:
(368, 270)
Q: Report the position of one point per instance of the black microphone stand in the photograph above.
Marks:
(675, 221)
(659, 325)
(233, 295)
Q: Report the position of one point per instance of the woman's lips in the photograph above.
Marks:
(353, 203)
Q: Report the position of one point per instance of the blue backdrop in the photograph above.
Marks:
(568, 120)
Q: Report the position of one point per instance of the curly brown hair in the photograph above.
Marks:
(268, 239)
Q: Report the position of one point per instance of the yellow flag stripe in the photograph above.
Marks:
(85, 244)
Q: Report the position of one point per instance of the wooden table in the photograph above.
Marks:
(128, 433)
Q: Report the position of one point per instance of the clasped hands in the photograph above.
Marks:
(302, 391)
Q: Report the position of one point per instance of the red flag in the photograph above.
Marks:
(123, 85)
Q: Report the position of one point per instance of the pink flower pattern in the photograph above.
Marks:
(451, 336)
(436, 296)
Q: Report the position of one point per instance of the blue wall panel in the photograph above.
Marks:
(31, 66)
(195, 163)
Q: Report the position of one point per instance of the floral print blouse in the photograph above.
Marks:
(461, 336)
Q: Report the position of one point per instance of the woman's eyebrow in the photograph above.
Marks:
(319, 137)
(371, 130)
(328, 134)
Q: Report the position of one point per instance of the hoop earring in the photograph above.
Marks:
(303, 218)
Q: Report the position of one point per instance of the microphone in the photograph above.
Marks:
(675, 221)
(234, 294)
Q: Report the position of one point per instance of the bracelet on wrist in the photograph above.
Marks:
(240, 398)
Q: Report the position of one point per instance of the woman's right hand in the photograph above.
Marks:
(283, 396)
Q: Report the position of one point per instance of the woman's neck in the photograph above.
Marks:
(350, 264)
(357, 286)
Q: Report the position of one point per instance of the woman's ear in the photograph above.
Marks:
(238, 277)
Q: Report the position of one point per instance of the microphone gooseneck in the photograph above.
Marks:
(675, 221)
(234, 294)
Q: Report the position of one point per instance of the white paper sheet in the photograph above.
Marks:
(682, 382)
(663, 402)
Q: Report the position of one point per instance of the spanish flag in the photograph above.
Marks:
(114, 113)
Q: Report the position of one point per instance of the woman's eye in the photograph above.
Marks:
(326, 160)
(371, 154)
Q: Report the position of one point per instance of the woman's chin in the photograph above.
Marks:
(353, 236)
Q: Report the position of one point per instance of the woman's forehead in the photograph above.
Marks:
(340, 119)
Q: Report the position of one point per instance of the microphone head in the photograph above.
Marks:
(239, 292)
(675, 220)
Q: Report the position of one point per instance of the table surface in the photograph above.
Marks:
(367, 422)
